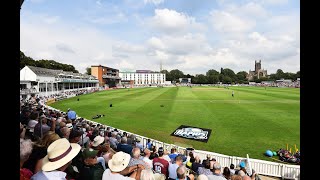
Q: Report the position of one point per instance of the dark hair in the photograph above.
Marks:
(231, 166)
(192, 160)
(226, 172)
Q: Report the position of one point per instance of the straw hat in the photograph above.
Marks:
(97, 141)
(60, 152)
(119, 161)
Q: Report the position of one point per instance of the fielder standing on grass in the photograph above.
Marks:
(232, 93)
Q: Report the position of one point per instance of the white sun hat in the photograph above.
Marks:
(60, 152)
(97, 141)
(119, 161)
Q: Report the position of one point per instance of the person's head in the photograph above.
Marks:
(202, 177)
(119, 161)
(25, 149)
(192, 160)
(75, 136)
(147, 174)
(136, 153)
(97, 141)
(173, 150)
(48, 138)
(179, 160)
(231, 166)
(181, 172)
(160, 151)
(226, 172)
(89, 156)
(65, 132)
(191, 154)
(59, 155)
(124, 140)
(147, 152)
(217, 168)
(197, 159)
(34, 115)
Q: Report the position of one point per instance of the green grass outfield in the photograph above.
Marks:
(255, 120)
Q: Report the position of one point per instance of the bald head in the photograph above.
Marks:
(136, 152)
(246, 177)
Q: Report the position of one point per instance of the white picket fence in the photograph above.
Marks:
(262, 167)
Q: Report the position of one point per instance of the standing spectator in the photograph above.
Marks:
(161, 165)
(173, 167)
(196, 164)
(72, 115)
(25, 151)
(60, 154)
(173, 154)
(182, 173)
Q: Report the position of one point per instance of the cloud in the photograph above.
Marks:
(155, 2)
(64, 48)
(274, 2)
(58, 41)
(225, 22)
(172, 22)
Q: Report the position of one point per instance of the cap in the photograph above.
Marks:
(89, 153)
(160, 149)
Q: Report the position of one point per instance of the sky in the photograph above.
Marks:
(190, 35)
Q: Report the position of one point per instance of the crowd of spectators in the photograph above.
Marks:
(59, 145)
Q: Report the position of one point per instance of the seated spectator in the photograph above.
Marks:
(25, 151)
(118, 168)
(146, 158)
(123, 146)
(60, 153)
(75, 136)
(137, 159)
(39, 151)
(216, 173)
(232, 170)
(206, 169)
(92, 169)
(65, 132)
(182, 173)
(196, 164)
(139, 144)
(39, 130)
(226, 173)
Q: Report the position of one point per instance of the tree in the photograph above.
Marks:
(202, 79)
(227, 80)
(242, 75)
(176, 74)
(212, 72)
(168, 75)
(88, 70)
(49, 64)
(279, 74)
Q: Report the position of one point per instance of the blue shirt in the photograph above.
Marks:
(72, 115)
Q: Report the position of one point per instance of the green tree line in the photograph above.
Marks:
(49, 64)
(226, 76)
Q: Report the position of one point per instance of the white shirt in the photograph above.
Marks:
(107, 175)
(57, 175)
(173, 170)
(148, 162)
